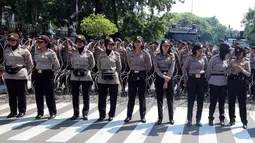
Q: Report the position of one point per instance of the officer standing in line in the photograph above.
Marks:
(164, 64)
(109, 67)
(239, 70)
(46, 64)
(82, 62)
(216, 74)
(124, 70)
(252, 59)
(139, 62)
(152, 50)
(185, 52)
(18, 63)
(194, 78)
(215, 49)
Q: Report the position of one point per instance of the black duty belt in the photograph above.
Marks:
(218, 74)
(199, 75)
(237, 77)
(164, 72)
(80, 72)
(40, 71)
(137, 72)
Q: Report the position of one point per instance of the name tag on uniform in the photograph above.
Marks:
(39, 71)
(136, 71)
(198, 75)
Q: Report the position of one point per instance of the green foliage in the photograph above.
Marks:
(97, 26)
(249, 23)
(153, 28)
(128, 16)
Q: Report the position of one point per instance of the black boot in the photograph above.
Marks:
(127, 119)
(74, 118)
(211, 122)
(143, 120)
(189, 123)
(199, 124)
(231, 123)
(159, 121)
(11, 115)
(222, 123)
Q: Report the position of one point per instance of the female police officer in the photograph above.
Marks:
(194, 77)
(18, 62)
(46, 63)
(139, 62)
(109, 67)
(164, 64)
(82, 62)
(239, 70)
(216, 74)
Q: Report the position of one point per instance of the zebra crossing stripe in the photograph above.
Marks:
(75, 129)
(207, 134)
(4, 106)
(142, 130)
(29, 107)
(175, 132)
(111, 128)
(8, 127)
(32, 132)
(240, 135)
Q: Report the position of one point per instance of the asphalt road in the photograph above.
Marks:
(60, 129)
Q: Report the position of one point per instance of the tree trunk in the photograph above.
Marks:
(99, 7)
(1, 14)
(115, 13)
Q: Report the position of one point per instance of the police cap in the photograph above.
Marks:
(13, 36)
(44, 38)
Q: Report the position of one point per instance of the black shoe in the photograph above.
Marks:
(127, 119)
(159, 121)
(189, 124)
(171, 122)
(222, 123)
(211, 122)
(85, 117)
(199, 124)
(110, 119)
(11, 115)
(100, 119)
(244, 126)
(231, 123)
(73, 118)
(20, 115)
(143, 120)
(38, 117)
(52, 117)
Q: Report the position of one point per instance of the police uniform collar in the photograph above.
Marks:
(112, 52)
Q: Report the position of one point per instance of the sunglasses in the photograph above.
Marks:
(137, 41)
(12, 40)
(111, 44)
(166, 45)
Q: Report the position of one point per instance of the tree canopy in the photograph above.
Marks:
(131, 17)
(249, 23)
